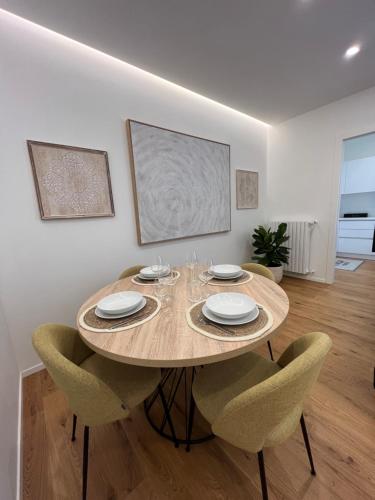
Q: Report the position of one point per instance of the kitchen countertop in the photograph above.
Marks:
(356, 218)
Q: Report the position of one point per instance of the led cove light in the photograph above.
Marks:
(58, 36)
(352, 51)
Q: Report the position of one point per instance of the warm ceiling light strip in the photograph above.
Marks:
(57, 35)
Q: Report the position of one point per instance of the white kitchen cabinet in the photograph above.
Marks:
(355, 245)
(355, 236)
(358, 176)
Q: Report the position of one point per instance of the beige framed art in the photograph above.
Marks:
(71, 182)
(246, 189)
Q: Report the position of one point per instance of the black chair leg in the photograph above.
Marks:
(262, 473)
(74, 427)
(307, 444)
(167, 415)
(85, 461)
(270, 349)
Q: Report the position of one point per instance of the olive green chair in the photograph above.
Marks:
(130, 271)
(255, 268)
(255, 403)
(99, 390)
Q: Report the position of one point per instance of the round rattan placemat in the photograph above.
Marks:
(139, 281)
(244, 278)
(90, 321)
(198, 322)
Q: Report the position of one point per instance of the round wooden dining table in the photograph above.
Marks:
(168, 342)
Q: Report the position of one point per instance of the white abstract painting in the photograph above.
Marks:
(181, 184)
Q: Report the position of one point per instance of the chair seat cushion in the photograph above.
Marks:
(132, 384)
(215, 385)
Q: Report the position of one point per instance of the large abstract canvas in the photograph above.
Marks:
(71, 182)
(181, 183)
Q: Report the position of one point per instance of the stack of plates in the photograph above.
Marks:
(226, 271)
(150, 273)
(230, 308)
(120, 305)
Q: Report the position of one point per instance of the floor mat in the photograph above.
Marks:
(348, 264)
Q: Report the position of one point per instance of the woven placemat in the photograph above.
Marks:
(198, 322)
(90, 321)
(139, 281)
(244, 278)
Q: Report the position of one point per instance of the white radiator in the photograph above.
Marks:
(299, 242)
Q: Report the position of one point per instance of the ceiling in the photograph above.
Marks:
(271, 59)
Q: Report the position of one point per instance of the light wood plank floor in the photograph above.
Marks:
(128, 460)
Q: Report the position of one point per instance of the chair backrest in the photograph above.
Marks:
(255, 268)
(130, 271)
(62, 351)
(270, 410)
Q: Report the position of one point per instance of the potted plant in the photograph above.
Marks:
(269, 249)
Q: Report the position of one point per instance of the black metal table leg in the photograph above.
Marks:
(179, 382)
(191, 413)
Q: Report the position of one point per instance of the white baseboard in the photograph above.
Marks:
(32, 369)
(19, 440)
(308, 277)
(23, 374)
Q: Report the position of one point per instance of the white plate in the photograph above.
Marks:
(226, 270)
(151, 278)
(148, 273)
(121, 302)
(239, 321)
(238, 275)
(231, 305)
(103, 315)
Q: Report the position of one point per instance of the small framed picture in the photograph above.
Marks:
(71, 182)
(246, 189)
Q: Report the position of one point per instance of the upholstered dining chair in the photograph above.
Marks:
(99, 390)
(259, 402)
(255, 268)
(130, 271)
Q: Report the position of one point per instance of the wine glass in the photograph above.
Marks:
(191, 262)
(157, 267)
(164, 290)
(205, 274)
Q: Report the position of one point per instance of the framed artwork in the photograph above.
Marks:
(246, 189)
(181, 183)
(71, 182)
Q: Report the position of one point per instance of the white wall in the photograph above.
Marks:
(304, 161)
(8, 413)
(55, 90)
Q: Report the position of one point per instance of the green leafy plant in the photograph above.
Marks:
(269, 248)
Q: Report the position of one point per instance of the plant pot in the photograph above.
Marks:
(277, 272)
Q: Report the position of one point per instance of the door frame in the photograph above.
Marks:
(335, 193)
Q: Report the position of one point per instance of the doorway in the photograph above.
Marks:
(355, 222)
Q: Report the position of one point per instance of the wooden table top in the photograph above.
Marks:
(167, 340)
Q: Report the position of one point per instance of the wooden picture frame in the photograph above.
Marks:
(247, 189)
(71, 182)
(170, 158)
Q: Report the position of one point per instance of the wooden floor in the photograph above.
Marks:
(128, 460)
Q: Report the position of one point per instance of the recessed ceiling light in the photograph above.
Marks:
(352, 51)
